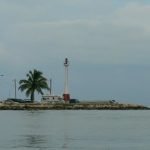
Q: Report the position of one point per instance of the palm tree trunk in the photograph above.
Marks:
(32, 97)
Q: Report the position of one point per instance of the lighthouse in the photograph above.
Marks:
(66, 95)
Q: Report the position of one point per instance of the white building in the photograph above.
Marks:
(52, 99)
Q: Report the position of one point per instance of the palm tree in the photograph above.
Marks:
(34, 82)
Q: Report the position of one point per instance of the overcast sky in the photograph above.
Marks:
(107, 43)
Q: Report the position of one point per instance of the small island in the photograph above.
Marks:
(36, 82)
(71, 106)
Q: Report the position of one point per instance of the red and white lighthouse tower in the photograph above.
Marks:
(66, 95)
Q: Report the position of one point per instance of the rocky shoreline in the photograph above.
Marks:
(78, 106)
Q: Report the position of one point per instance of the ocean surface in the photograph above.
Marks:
(75, 130)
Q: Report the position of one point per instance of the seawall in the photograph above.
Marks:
(78, 106)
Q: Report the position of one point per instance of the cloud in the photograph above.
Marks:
(134, 15)
(89, 41)
(2, 50)
(121, 37)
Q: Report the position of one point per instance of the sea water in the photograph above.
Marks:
(75, 130)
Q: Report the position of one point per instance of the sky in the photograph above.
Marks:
(107, 43)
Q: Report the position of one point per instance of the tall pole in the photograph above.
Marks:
(15, 88)
(66, 91)
(50, 86)
(66, 95)
(1, 75)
